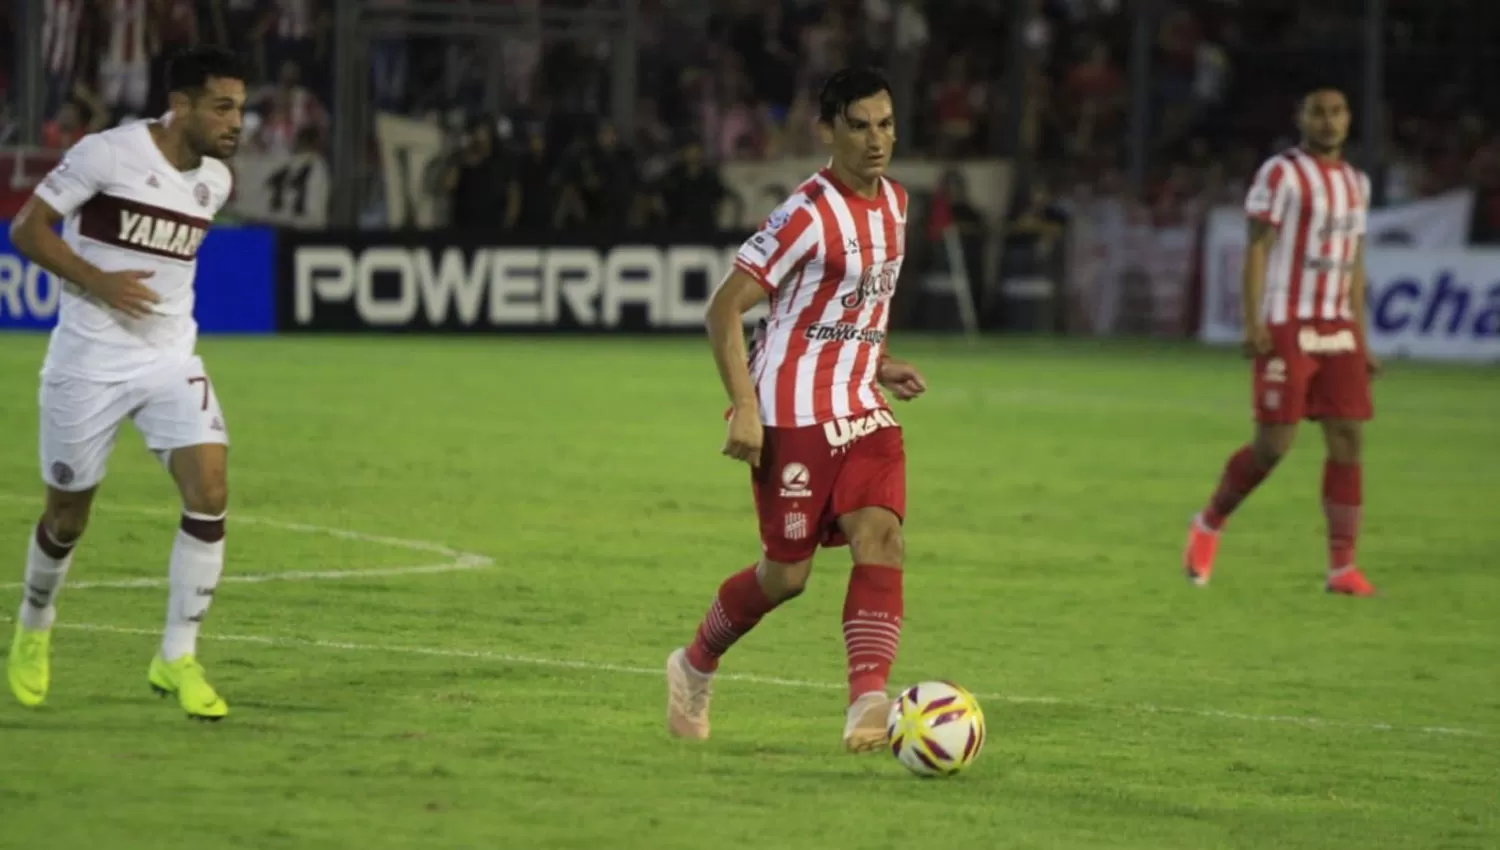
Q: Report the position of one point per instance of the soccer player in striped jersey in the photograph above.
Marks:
(828, 465)
(1304, 314)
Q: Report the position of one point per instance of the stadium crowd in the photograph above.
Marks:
(734, 80)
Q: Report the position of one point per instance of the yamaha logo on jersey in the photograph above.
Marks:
(876, 283)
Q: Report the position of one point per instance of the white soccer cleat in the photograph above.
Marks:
(688, 695)
(866, 726)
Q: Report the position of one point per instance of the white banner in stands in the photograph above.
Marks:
(287, 190)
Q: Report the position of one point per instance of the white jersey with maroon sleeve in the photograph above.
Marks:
(829, 259)
(1319, 210)
(126, 208)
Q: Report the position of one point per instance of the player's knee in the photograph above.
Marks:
(209, 498)
(1271, 445)
(880, 542)
(783, 581)
(65, 526)
(1345, 440)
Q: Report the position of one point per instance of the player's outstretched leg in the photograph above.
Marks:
(1342, 497)
(193, 575)
(28, 668)
(1245, 470)
(873, 607)
(743, 599)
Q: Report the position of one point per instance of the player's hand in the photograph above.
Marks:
(746, 435)
(1257, 340)
(1372, 363)
(125, 292)
(901, 378)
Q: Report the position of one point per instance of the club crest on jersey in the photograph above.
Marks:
(840, 433)
(876, 283)
(201, 195)
(175, 238)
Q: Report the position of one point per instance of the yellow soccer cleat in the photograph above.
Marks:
(27, 667)
(184, 677)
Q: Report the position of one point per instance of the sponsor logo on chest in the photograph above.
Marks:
(876, 283)
(162, 235)
(841, 433)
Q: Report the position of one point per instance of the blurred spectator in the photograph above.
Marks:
(480, 181)
(176, 25)
(131, 41)
(600, 185)
(532, 206)
(78, 116)
(690, 194)
(286, 109)
(242, 26)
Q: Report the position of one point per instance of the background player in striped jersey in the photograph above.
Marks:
(1304, 312)
(827, 457)
(135, 203)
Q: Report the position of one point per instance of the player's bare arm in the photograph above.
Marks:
(1252, 286)
(1358, 286)
(726, 333)
(34, 235)
(901, 378)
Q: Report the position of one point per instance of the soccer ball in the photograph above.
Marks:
(936, 728)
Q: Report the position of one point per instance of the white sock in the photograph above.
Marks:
(194, 576)
(44, 578)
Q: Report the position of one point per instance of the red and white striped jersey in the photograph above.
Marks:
(829, 259)
(1319, 209)
(129, 39)
(62, 22)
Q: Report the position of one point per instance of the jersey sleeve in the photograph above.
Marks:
(1270, 194)
(84, 171)
(784, 243)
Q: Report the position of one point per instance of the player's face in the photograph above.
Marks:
(862, 138)
(216, 116)
(1324, 120)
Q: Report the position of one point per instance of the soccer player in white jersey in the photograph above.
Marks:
(1304, 314)
(135, 202)
(828, 464)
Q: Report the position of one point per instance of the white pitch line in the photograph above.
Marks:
(627, 669)
(461, 564)
(459, 561)
(470, 561)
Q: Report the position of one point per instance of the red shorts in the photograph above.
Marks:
(1316, 370)
(809, 477)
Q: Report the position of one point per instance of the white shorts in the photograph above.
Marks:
(173, 407)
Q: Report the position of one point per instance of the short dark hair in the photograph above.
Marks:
(847, 86)
(189, 71)
(1318, 86)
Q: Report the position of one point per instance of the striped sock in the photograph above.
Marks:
(872, 626)
(738, 606)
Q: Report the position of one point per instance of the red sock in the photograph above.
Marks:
(738, 606)
(1342, 497)
(872, 626)
(1241, 475)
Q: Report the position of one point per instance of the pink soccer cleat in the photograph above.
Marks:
(1350, 582)
(1198, 555)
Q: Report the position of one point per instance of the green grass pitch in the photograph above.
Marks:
(458, 565)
